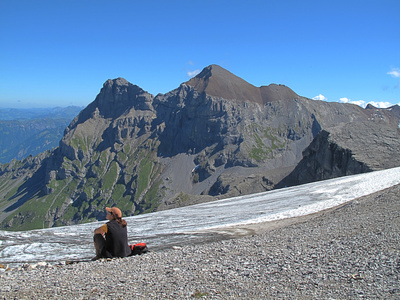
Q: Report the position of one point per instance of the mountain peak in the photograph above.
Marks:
(215, 71)
(216, 81)
(219, 82)
(117, 81)
(116, 96)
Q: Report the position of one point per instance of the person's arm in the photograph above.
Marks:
(101, 230)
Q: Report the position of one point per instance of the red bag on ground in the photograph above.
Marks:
(138, 248)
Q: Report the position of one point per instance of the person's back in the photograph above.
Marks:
(111, 239)
(117, 239)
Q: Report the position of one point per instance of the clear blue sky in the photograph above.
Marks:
(60, 52)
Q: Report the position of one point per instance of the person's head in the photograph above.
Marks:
(114, 213)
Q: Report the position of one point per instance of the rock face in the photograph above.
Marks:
(214, 136)
(347, 149)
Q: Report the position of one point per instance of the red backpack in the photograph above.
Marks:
(138, 249)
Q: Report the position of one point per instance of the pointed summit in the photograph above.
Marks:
(216, 81)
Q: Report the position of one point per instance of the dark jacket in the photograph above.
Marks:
(116, 240)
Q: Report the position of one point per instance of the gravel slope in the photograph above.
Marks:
(350, 252)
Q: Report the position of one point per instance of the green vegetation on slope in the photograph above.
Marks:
(265, 142)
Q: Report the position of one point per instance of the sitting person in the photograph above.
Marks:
(111, 239)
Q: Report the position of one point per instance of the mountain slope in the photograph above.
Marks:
(214, 136)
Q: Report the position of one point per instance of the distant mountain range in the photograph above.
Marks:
(26, 132)
(10, 114)
(214, 136)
